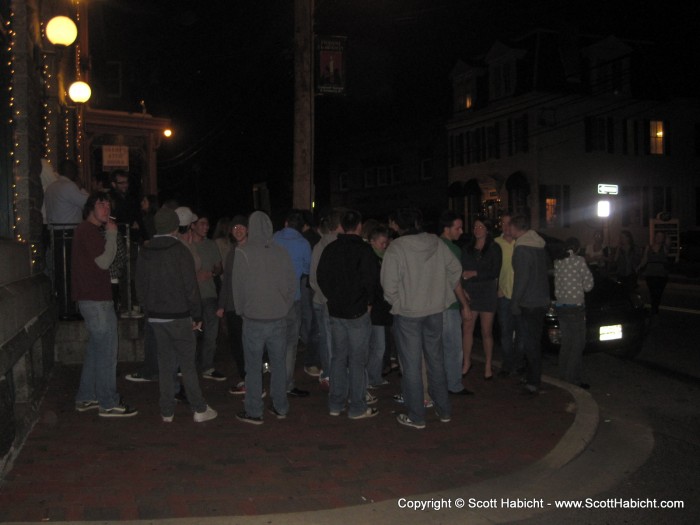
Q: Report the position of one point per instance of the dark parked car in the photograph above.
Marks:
(616, 320)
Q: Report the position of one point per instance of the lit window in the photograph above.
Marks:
(551, 211)
(656, 137)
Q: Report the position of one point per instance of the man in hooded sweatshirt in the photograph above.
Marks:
(530, 298)
(264, 286)
(166, 285)
(420, 277)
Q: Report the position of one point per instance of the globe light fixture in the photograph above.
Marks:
(79, 92)
(61, 31)
(167, 133)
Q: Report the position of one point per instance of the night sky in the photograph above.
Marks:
(223, 72)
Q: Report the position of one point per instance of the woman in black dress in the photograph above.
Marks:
(481, 265)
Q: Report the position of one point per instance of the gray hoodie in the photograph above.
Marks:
(419, 274)
(263, 280)
(530, 273)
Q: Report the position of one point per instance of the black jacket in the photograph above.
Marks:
(166, 283)
(348, 275)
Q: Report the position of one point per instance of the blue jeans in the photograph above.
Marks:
(210, 326)
(452, 348)
(511, 351)
(324, 337)
(572, 328)
(177, 347)
(306, 311)
(350, 343)
(259, 336)
(375, 358)
(529, 325)
(98, 379)
(293, 323)
(418, 338)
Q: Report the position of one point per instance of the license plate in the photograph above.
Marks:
(610, 333)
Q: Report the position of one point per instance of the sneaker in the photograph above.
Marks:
(266, 368)
(313, 371)
(370, 399)
(238, 389)
(325, 384)
(463, 392)
(336, 413)
(404, 420)
(208, 414)
(243, 416)
(381, 383)
(428, 403)
(136, 377)
(214, 375)
(83, 406)
(530, 390)
(167, 419)
(443, 419)
(295, 392)
(118, 411)
(370, 412)
(272, 410)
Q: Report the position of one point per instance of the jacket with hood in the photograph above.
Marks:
(530, 273)
(419, 274)
(264, 282)
(299, 250)
(347, 274)
(166, 283)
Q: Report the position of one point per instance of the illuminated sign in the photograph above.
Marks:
(607, 189)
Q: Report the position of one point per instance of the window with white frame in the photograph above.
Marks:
(502, 79)
(656, 137)
(343, 181)
(370, 177)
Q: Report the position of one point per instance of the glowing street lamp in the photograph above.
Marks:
(61, 31)
(167, 133)
(79, 92)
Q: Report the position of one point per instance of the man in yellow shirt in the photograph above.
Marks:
(511, 355)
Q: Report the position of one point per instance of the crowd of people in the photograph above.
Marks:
(362, 297)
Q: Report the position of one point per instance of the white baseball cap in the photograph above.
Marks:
(185, 215)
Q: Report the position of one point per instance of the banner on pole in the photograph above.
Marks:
(330, 65)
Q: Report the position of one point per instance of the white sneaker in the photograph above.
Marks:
(167, 419)
(208, 414)
(370, 399)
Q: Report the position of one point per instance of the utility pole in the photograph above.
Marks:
(303, 104)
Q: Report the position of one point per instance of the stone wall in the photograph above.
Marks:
(27, 329)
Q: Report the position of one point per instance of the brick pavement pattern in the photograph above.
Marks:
(77, 466)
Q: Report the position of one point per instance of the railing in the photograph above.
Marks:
(61, 245)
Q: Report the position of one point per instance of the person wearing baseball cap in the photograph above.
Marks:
(166, 285)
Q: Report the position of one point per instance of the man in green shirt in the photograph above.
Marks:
(210, 257)
(452, 229)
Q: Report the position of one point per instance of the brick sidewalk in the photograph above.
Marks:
(77, 466)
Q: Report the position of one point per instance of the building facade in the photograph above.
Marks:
(540, 122)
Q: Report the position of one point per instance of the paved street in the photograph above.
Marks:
(76, 467)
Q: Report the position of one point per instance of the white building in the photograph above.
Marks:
(540, 122)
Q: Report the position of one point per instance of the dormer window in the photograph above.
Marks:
(463, 94)
(502, 79)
